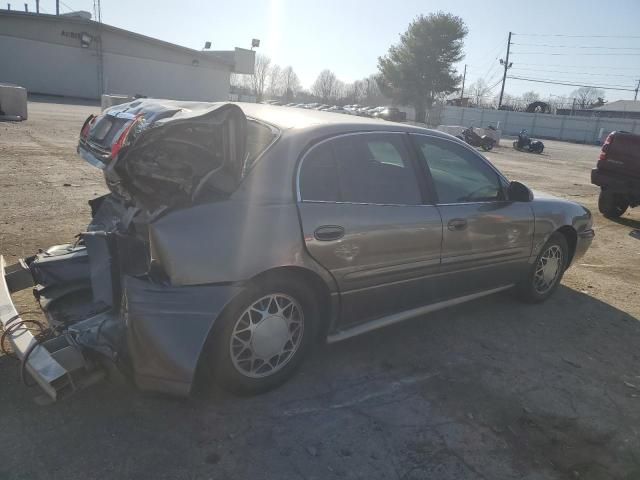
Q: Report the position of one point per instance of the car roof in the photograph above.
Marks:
(290, 118)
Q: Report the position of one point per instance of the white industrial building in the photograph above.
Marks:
(76, 57)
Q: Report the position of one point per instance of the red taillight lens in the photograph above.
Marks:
(605, 147)
(87, 126)
(116, 147)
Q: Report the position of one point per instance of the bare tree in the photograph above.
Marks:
(587, 96)
(324, 85)
(240, 84)
(339, 91)
(290, 83)
(529, 97)
(260, 75)
(275, 82)
(478, 92)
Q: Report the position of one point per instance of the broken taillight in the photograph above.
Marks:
(84, 132)
(117, 146)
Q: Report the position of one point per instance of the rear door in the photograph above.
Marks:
(364, 219)
(487, 239)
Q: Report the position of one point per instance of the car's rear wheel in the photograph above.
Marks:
(263, 337)
(612, 205)
(545, 274)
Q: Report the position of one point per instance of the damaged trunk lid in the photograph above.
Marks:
(161, 153)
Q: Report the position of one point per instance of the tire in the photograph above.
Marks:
(231, 367)
(531, 288)
(612, 205)
(488, 146)
(515, 145)
(539, 148)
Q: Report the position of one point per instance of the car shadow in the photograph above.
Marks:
(490, 389)
(627, 222)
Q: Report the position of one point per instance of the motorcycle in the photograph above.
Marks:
(472, 138)
(524, 142)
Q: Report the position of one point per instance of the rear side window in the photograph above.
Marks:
(363, 168)
(319, 175)
(375, 168)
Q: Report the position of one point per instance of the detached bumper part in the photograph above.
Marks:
(53, 364)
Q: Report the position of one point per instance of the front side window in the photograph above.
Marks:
(459, 176)
(363, 168)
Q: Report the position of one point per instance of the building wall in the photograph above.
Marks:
(50, 68)
(153, 78)
(44, 55)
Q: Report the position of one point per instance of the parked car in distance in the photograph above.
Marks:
(618, 174)
(392, 114)
(352, 109)
(336, 109)
(236, 235)
(365, 111)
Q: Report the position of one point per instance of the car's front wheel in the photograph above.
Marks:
(263, 337)
(545, 274)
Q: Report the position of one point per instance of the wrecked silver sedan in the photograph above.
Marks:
(237, 234)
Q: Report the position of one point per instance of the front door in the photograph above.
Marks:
(364, 220)
(487, 239)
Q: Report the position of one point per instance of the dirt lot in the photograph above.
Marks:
(489, 390)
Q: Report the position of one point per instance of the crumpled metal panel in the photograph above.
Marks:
(62, 264)
(167, 328)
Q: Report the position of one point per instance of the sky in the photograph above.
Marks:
(348, 36)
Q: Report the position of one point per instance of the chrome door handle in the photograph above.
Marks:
(327, 233)
(457, 224)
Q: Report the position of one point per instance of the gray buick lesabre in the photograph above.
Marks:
(235, 235)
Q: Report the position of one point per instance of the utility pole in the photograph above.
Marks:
(635, 97)
(97, 15)
(57, 7)
(37, 6)
(464, 77)
(507, 66)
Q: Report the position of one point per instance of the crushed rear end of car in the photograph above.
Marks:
(107, 298)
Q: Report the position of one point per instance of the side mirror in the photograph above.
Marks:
(519, 192)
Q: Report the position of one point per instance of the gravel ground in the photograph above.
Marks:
(488, 390)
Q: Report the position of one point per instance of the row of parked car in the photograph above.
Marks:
(384, 112)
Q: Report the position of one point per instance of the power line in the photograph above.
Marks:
(540, 80)
(574, 54)
(66, 6)
(574, 46)
(578, 82)
(573, 36)
(574, 73)
(577, 66)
